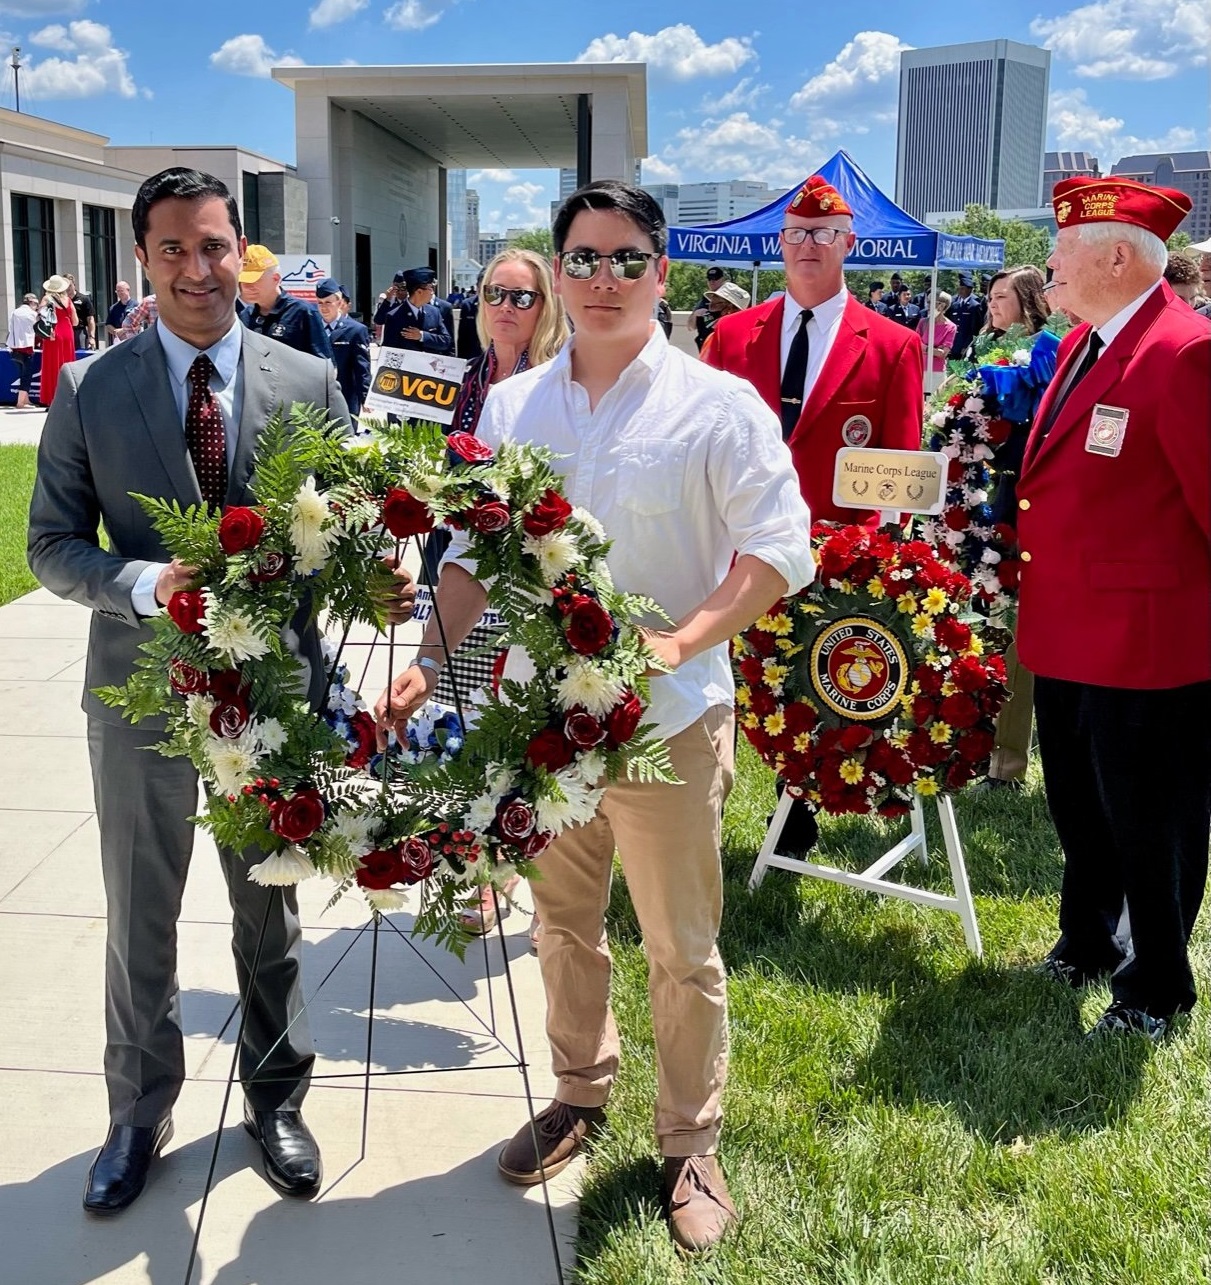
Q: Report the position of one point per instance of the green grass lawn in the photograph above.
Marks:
(17, 465)
(900, 1112)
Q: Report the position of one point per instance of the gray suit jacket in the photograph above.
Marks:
(114, 428)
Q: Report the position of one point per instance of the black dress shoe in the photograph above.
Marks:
(992, 783)
(1072, 975)
(119, 1173)
(291, 1154)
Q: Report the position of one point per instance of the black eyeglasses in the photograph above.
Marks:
(523, 299)
(821, 236)
(626, 265)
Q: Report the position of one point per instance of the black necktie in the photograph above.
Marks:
(1096, 344)
(795, 376)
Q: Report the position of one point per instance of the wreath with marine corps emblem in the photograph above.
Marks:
(872, 686)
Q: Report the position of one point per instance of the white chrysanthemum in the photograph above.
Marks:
(481, 813)
(232, 762)
(499, 779)
(588, 685)
(271, 734)
(311, 540)
(938, 419)
(232, 634)
(353, 828)
(198, 710)
(384, 900)
(556, 553)
(590, 524)
(290, 866)
(589, 767)
(577, 807)
(425, 488)
(599, 569)
(1021, 357)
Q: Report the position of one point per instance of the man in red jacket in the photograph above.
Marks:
(837, 373)
(1115, 609)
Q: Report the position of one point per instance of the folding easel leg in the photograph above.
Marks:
(919, 832)
(772, 835)
(958, 873)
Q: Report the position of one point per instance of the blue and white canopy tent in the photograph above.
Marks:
(888, 237)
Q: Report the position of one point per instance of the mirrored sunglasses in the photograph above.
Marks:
(523, 299)
(625, 265)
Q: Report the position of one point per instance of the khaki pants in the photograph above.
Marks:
(1011, 750)
(667, 837)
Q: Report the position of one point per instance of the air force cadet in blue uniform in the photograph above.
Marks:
(408, 317)
(270, 311)
(350, 344)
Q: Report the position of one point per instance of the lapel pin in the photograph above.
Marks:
(264, 367)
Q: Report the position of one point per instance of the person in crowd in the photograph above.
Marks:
(521, 325)
(703, 315)
(21, 345)
(86, 317)
(1117, 628)
(271, 311)
(350, 342)
(943, 337)
(119, 312)
(446, 309)
(1184, 278)
(699, 474)
(469, 345)
(967, 312)
(837, 374)
(893, 288)
(664, 315)
(874, 298)
(154, 415)
(60, 349)
(142, 316)
(408, 317)
(902, 310)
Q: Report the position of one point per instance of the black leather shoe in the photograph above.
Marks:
(290, 1152)
(119, 1173)
(990, 784)
(1072, 975)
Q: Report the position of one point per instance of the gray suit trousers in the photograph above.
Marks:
(144, 802)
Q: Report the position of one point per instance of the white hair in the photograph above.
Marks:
(1150, 248)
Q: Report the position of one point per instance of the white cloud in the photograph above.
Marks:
(858, 89)
(413, 15)
(329, 12)
(41, 8)
(678, 51)
(745, 93)
(739, 147)
(1130, 39)
(90, 64)
(249, 55)
(1074, 122)
(526, 205)
(657, 170)
(490, 176)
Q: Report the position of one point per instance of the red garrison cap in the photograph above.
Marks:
(817, 199)
(1119, 200)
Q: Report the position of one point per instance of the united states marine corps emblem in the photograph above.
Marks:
(856, 431)
(1062, 211)
(858, 668)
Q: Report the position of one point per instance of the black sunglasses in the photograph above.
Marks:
(523, 299)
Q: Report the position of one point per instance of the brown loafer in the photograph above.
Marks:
(561, 1130)
(700, 1210)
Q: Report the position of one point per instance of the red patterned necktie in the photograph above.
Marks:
(204, 433)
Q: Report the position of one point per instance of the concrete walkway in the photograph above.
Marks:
(423, 1204)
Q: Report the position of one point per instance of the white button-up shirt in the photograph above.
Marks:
(821, 333)
(685, 467)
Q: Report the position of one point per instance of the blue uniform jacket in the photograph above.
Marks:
(396, 315)
(292, 322)
(351, 352)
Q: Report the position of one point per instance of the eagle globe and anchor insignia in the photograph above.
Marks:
(858, 668)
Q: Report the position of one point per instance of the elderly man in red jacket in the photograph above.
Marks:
(837, 373)
(1115, 609)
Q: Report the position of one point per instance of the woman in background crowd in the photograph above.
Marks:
(59, 350)
(943, 337)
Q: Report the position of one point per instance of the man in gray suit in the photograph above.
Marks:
(174, 412)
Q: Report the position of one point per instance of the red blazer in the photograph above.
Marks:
(875, 368)
(1116, 575)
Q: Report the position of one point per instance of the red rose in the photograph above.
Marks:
(550, 749)
(515, 820)
(976, 745)
(550, 512)
(582, 729)
(240, 528)
(185, 679)
(361, 724)
(800, 717)
(590, 627)
(998, 431)
(297, 818)
(954, 470)
(468, 449)
(380, 869)
(952, 634)
(488, 517)
(415, 860)
(537, 843)
(186, 607)
(623, 719)
(405, 515)
(959, 711)
(271, 566)
(228, 685)
(1009, 572)
(229, 719)
(955, 518)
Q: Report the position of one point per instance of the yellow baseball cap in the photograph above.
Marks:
(258, 259)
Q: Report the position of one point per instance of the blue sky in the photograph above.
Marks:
(733, 93)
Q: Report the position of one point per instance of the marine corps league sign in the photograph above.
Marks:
(900, 481)
(415, 384)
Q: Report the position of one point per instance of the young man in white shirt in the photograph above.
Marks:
(668, 454)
